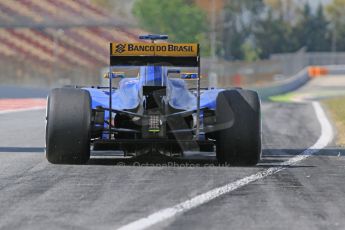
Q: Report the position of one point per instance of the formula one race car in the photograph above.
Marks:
(153, 111)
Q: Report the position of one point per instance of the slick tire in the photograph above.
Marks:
(238, 120)
(68, 127)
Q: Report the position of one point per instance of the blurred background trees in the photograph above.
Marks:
(180, 19)
(278, 26)
(236, 27)
(335, 11)
(245, 29)
(312, 30)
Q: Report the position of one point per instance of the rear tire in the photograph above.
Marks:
(68, 129)
(238, 119)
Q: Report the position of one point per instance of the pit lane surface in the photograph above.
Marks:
(104, 195)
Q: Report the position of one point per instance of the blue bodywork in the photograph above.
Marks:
(127, 96)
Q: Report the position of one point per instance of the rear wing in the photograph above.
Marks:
(162, 54)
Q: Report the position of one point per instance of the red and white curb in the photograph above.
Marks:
(12, 105)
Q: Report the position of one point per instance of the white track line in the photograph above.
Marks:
(164, 214)
(22, 110)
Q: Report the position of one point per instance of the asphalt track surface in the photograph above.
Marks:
(107, 195)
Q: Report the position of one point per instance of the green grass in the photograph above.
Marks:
(336, 108)
(282, 98)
